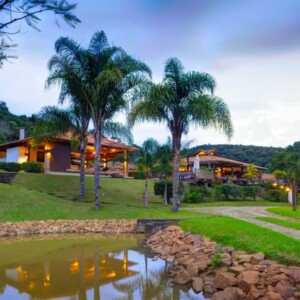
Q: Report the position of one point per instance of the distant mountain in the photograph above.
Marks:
(257, 155)
(10, 124)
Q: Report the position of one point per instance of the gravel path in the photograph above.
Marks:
(248, 213)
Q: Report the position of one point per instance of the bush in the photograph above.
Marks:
(276, 196)
(196, 194)
(10, 166)
(159, 189)
(32, 167)
(228, 191)
(252, 191)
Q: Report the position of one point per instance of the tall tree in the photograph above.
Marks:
(109, 77)
(12, 12)
(181, 100)
(294, 173)
(75, 119)
(146, 161)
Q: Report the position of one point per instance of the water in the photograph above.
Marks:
(80, 267)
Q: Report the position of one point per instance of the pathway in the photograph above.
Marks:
(248, 213)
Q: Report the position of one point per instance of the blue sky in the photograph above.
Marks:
(251, 47)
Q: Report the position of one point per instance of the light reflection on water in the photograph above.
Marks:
(83, 267)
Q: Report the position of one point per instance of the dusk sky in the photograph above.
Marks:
(251, 47)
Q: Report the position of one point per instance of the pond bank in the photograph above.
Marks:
(67, 226)
(222, 272)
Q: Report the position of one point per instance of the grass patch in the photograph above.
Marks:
(21, 204)
(240, 203)
(280, 222)
(285, 212)
(246, 236)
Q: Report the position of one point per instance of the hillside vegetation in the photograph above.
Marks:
(10, 124)
(257, 155)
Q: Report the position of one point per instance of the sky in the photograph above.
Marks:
(251, 47)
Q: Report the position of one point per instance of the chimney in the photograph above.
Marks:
(22, 134)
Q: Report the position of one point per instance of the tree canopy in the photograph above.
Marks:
(13, 12)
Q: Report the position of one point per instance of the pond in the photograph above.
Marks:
(84, 267)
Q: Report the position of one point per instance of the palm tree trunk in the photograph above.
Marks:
(97, 144)
(294, 195)
(176, 158)
(145, 196)
(82, 170)
(165, 201)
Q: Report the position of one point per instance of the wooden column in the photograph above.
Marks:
(125, 164)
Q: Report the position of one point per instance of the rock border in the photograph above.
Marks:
(222, 273)
(110, 226)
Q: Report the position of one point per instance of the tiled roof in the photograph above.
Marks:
(212, 159)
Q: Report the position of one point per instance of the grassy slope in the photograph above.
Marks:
(280, 222)
(245, 236)
(285, 212)
(28, 198)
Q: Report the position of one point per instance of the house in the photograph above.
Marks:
(216, 168)
(57, 154)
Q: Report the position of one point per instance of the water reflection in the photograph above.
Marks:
(78, 268)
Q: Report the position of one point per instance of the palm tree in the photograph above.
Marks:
(181, 100)
(294, 173)
(146, 161)
(107, 78)
(54, 120)
(164, 167)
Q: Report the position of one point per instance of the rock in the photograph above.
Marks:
(285, 289)
(226, 259)
(272, 296)
(182, 278)
(247, 279)
(237, 269)
(192, 270)
(230, 293)
(255, 293)
(257, 258)
(224, 279)
(295, 274)
(170, 259)
(197, 284)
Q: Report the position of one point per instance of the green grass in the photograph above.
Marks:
(240, 203)
(20, 204)
(246, 236)
(280, 222)
(285, 212)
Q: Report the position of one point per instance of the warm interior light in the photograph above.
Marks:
(111, 274)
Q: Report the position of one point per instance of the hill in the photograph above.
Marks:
(257, 155)
(10, 124)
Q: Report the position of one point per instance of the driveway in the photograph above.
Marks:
(248, 213)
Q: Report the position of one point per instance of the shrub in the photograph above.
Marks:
(10, 166)
(252, 191)
(232, 190)
(275, 195)
(196, 194)
(228, 191)
(32, 167)
(159, 189)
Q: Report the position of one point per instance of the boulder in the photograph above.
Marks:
(197, 284)
(230, 293)
(224, 279)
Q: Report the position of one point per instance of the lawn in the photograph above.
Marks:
(38, 197)
(45, 196)
(246, 236)
(280, 222)
(285, 212)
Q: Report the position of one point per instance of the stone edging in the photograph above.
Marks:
(67, 226)
(221, 272)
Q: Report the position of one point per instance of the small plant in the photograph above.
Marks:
(216, 260)
(32, 167)
(10, 166)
